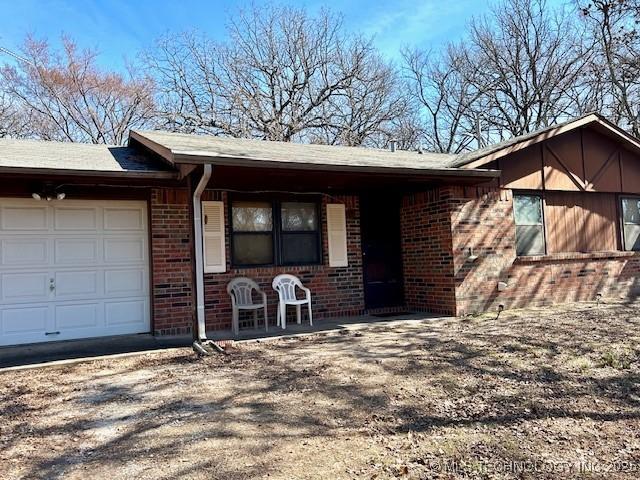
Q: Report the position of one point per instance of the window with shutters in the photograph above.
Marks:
(275, 232)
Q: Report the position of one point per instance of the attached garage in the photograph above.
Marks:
(72, 269)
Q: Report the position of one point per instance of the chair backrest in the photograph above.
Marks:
(242, 289)
(285, 285)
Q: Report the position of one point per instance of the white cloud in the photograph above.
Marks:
(427, 23)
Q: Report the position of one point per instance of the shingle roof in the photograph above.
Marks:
(176, 148)
(80, 158)
(184, 148)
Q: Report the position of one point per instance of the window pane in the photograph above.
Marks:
(529, 240)
(527, 209)
(298, 216)
(252, 249)
(632, 237)
(631, 210)
(252, 217)
(299, 248)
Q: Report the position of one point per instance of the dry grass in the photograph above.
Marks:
(549, 389)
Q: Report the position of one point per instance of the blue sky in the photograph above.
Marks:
(119, 28)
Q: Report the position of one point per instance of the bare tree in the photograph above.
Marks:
(13, 122)
(68, 98)
(528, 58)
(614, 27)
(183, 67)
(282, 75)
(367, 109)
(443, 86)
(407, 130)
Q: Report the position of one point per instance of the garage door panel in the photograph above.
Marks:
(129, 282)
(130, 218)
(25, 319)
(128, 312)
(77, 283)
(96, 253)
(32, 286)
(124, 249)
(73, 316)
(76, 251)
(74, 218)
(24, 252)
(31, 218)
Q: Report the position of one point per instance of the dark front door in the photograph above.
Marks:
(381, 251)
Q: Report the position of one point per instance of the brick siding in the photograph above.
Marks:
(171, 261)
(425, 225)
(482, 219)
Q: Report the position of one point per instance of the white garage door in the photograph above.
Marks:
(72, 269)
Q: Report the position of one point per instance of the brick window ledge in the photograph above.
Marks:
(270, 269)
(576, 256)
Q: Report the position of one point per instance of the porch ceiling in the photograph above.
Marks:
(253, 179)
(95, 187)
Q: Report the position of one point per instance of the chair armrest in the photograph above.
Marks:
(264, 297)
(306, 291)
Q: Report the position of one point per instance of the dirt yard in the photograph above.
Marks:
(533, 394)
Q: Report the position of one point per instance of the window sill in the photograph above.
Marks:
(576, 256)
(270, 268)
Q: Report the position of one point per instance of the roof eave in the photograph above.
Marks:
(91, 173)
(231, 161)
(163, 152)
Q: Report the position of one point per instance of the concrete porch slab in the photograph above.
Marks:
(325, 325)
(44, 353)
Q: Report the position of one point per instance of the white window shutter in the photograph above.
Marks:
(337, 235)
(215, 259)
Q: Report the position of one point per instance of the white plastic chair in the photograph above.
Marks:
(286, 286)
(241, 291)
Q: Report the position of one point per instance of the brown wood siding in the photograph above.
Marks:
(601, 163)
(630, 172)
(563, 167)
(583, 160)
(521, 170)
(580, 222)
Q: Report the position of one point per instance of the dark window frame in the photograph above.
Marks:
(622, 236)
(276, 232)
(540, 195)
(232, 233)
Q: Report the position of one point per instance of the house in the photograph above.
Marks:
(98, 240)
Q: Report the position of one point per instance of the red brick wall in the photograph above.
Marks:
(426, 251)
(483, 220)
(441, 229)
(482, 224)
(335, 291)
(171, 261)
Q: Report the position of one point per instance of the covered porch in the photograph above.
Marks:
(391, 232)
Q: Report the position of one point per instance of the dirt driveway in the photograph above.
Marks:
(537, 393)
